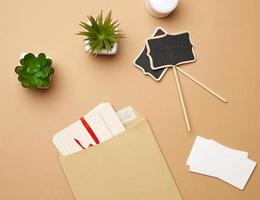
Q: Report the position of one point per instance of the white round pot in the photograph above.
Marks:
(161, 8)
(21, 57)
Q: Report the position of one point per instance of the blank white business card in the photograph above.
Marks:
(213, 159)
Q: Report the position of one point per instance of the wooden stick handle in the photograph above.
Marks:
(202, 85)
(181, 99)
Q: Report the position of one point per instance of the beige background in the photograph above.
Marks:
(226, 35)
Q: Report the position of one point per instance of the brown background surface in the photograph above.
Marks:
(226, 35)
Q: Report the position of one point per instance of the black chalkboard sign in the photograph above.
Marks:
(142, 61)
(165, 50)
(170, 50)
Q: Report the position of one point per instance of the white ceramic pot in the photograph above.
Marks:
(21, 57)
(103, 52)
(161, 8)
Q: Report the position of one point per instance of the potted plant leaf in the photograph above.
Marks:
(34, 71)
(102, 34)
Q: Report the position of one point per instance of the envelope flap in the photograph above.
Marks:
(129, 166)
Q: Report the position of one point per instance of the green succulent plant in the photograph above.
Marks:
(101, 33)
(34, 71)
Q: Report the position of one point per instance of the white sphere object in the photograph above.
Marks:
(161, 8)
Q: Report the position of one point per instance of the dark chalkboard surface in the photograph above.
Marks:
(170, 50)
(143, 62)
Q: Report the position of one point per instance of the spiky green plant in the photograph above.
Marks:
(34, 71)
(101, 34)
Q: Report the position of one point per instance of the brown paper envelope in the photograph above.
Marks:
(129, 166)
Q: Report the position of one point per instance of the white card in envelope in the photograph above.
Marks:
(110, 118)
(99, 125)
(65, 140)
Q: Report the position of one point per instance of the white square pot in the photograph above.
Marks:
(104, 52)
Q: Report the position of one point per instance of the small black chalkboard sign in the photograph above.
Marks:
(170, 50)
(163, 51)
(142, 61)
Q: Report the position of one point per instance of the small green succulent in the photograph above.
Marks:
(34, 71)
(101, 34)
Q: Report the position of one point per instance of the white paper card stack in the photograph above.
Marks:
(98, 126)
(213, 159)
